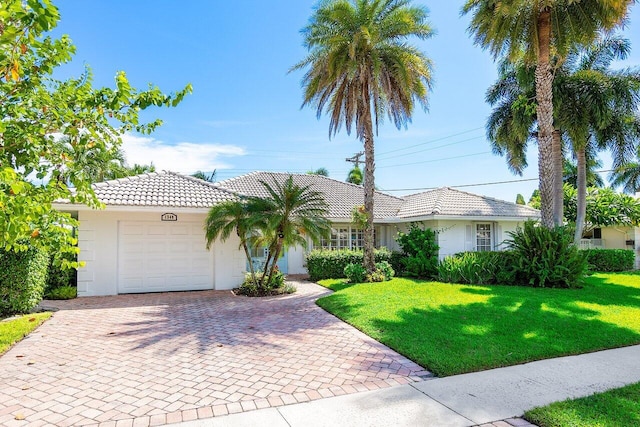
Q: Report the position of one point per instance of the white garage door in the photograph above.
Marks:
(159, 257)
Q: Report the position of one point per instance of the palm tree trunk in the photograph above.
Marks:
(558, 192)
(248, 255)
(544, 95)
(369, 262)
(582, 194)
(274, 261)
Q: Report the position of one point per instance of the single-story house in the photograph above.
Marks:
(150, 236)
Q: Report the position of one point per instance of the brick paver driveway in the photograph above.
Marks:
(161, 358)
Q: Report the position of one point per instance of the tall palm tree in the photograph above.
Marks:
(361, 68)
(593, 109)
(234, 216)
(570, 172)
(595, 104)
(536, 28)
(293, 213)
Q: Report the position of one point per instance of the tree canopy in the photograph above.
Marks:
(49, 126)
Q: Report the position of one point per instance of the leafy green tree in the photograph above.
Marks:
(319, 171)
(532, 30)
(605, 208)
(361, 68)
(38, 111)
(205, 176)
(355, 176)
(293, 213)
(239, 216)
(520, 199)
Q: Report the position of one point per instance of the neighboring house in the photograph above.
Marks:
(150, 237)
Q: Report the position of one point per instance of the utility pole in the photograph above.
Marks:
(355, 159)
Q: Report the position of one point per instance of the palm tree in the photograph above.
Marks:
(355, 176)
(205, 176)
(319, 171)
(535, 28)
(293, 213)
(138, 169)
(234, 216)
(595, 104)
(627, 176)
(593, 179)
(360, 68)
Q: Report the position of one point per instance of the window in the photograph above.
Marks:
(347, 238)
(483, 238)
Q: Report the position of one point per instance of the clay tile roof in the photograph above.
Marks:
(450, 202)
(161, 189)
(341, 197)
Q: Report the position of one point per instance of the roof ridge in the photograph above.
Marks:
(492, 198)
(437, 206)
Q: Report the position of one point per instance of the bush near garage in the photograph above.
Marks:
(23, 277)
(329, 264)
(610, 260)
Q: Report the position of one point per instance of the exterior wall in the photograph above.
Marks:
(456, 236)
(616, 237)
(98, 243)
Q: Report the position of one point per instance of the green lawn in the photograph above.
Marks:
(12, 331)
(614, 408)
(452, 329)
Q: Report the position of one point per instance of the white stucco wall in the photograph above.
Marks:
(98, 243)
(616, 237)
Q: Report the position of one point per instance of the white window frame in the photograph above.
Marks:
(485, 247)
(347, 237)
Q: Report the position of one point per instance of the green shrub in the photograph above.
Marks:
(480, 268)
(59, 277)
(276, 287)
(23, 276)
(610, 260)
(328, 264)
(421, 250)
(546, 257)
(397, 262)
(376, 276)
(355, 273)
(386, 269)
(62, 292)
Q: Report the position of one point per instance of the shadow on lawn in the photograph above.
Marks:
(514, 325)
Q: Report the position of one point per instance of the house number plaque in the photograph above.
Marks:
(169, 217)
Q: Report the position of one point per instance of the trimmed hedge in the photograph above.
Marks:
(327, 264)
(23, 276)
(478, 268)
(610, 260)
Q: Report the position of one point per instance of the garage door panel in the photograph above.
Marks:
(163, 257)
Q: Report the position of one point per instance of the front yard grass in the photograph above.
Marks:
(452, 329)
(13, 330)
(619, 407)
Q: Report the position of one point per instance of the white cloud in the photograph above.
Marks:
(183, 157)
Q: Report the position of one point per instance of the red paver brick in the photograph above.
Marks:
(147, 359)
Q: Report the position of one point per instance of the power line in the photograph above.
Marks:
(435, 160)
(430, 142)
(479, 184)
(434, 148)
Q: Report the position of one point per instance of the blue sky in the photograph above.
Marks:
(244, 113)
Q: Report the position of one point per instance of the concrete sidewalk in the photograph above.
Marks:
(457, 401)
